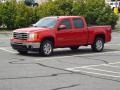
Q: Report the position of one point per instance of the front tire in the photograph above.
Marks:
(46, 48)
(98, 45)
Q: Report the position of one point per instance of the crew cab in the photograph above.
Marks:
(59, 32)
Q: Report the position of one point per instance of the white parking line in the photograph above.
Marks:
(93, 70)
(110, 44)
(115, 37)
(114, 66)
(91, 54)
(93, 66)
(101, 74)
(101, 70)
(6, 50)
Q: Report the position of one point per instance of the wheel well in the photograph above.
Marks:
(100, 36)
(48, 38)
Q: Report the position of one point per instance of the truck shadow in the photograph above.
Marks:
(68, 52)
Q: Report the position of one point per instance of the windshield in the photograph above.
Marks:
(46, 23)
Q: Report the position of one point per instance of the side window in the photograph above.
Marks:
(67, 23)
(78, 23)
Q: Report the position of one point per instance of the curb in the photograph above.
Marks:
(116, 30)
(5, 32)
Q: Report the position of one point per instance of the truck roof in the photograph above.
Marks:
(65, 16)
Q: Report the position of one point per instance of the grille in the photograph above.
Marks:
(20, 36)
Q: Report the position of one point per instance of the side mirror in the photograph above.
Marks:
(61, 27)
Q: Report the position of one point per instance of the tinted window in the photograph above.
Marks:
(67, 23)
(78, 23)
(46, 22)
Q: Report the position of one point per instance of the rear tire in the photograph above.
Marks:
(46, 48)
(98, 44)
(23, 52)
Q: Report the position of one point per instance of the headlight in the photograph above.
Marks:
(32, 36)
(12, 35)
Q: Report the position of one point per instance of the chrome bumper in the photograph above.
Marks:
(25, 46)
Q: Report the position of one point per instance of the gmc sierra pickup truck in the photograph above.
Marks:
(59, 32)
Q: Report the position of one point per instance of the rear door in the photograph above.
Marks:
(64, 36)
(80, 35)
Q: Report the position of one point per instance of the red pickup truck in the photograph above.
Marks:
(59, 32)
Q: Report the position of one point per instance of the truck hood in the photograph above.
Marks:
(31, 29)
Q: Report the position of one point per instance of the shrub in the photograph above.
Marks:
(106, 17)
(96, 13)
(16, 15)
(0, 14)
(8, 13)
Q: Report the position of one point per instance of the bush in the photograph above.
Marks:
(107, 18)
(0, 14)
(17, 15)
(8, 13)
(95, 12)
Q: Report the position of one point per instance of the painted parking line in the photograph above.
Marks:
(94, 70)
(109, 64)
(112, 44)
(116, 37)
(79, 55)
(6, 50)
(95, 73)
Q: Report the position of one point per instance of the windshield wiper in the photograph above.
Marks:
(44, 26)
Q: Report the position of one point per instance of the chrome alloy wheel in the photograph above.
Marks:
(47, 48)
(99, 45)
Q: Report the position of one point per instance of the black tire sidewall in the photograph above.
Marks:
(42, 45)
(94, 45)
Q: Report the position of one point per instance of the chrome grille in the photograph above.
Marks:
(20, 36)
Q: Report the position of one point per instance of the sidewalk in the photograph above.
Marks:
(117, 27)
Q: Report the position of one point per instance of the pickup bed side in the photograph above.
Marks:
(99, 31)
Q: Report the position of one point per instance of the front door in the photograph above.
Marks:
(64, 36)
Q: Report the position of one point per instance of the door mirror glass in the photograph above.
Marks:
(61, 27)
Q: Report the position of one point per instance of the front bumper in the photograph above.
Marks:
(25, 46)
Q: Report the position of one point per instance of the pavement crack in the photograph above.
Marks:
(72, 72)
(106, 62)
(68, 62)
(29, 77)
(98, 77)
(18, 62)
(43, 65)
(65, 87)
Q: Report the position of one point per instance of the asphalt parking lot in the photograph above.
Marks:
(65, 70)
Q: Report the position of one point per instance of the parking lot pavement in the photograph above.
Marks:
(65, 70)
(108, 70)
